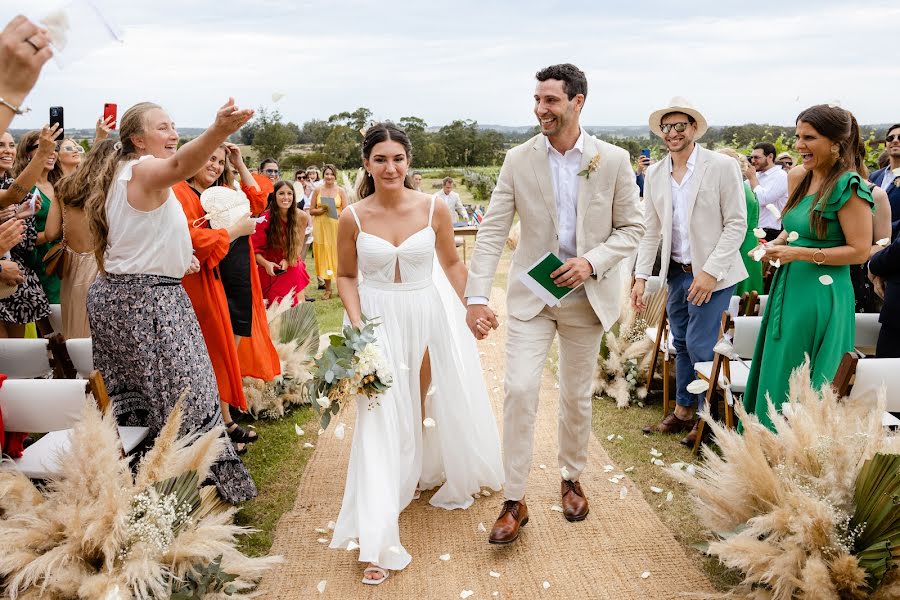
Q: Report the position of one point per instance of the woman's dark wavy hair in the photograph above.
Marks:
(287, 235)
(839, 126)
(382, 132)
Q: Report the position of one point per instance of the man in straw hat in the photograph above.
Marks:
(576, 197)
(694, 204)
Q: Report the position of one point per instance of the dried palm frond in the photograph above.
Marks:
(79, 539)
(806, 504)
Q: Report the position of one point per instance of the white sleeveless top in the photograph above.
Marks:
(152, 243)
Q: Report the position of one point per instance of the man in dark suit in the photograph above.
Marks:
(887, 178)
(884, 271)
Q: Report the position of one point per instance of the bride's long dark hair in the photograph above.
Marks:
(382, 132)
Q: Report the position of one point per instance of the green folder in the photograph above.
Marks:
(537, 279)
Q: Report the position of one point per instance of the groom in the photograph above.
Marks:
(575, 196)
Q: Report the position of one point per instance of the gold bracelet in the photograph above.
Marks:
(819, 262)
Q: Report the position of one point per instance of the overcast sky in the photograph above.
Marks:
(738, 62)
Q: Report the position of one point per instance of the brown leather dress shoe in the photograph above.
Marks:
(671, 424)
(690, 439)
(513, 516)
(574, 503)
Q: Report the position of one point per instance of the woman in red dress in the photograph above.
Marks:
(278, 243)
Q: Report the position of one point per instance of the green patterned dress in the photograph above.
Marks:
(754, 281)
(803, 315)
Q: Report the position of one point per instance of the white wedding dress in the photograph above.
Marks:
(392, 453)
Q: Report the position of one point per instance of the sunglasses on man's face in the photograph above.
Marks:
(271, 171)
(786, 163)
(679, 127)
(892, 138)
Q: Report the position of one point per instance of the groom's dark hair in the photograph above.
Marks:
(574, 81)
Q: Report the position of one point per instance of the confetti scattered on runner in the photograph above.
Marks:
(321, 586)
(656, 490)
(645, 574)
(444, 557)
(297, 430)
(623, 492)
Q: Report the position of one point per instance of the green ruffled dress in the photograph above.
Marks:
(754, 281)
(50, 283)
(805, 316)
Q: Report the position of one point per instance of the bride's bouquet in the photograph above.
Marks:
(350, 366)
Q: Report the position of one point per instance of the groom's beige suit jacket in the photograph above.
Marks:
(608, 228)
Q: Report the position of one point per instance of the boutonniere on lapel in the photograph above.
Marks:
(592, 166)
(896, 173)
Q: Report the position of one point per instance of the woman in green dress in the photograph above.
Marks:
(754, 281)
(43, 189)
(827, 227)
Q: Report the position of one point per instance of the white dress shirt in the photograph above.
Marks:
(564, 170)
(681, 192)
(887, 179)
(454, 203)
(772, 189)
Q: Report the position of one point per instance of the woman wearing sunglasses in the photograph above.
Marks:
(70, 155)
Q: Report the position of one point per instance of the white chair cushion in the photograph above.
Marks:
(739, 374)
(762, 303)
(733, 306)
(40, 460)
(81, 352)
(24, 359)
(872, 373)
(41, 405)
(56, 318)
(887, 419)
(746, 331)
(651, 335)
(867, 330)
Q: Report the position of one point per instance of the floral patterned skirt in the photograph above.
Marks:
(148, 347)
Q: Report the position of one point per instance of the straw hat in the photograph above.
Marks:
(681, 105)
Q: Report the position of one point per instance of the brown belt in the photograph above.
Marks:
(673, 265)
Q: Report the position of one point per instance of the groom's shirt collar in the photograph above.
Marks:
(579, 145)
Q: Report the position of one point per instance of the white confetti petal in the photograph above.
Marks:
(793, 236)
(339, 431)
(546, 585)
(321, 431)
(619, 437)
(444, 557)
(669, 497)
(322, 540)
(629, 469)
(565, 473)
(465, 593)
(646, 574)
(321, 530)
(658, 462)
(485, 493)
(308, 445)
(655, 453)
(677, 465)
(277, 96)
(542, 467)
(826, 280)
(331, 525)
(321, 586)
(656, 490)
(608, 468)
(482, 528)
(430, 391)
(776, 263)
(883, 242)
(329, 272)
(351, 546)
(495, 594)
(494, 574)
(428, 423)
(774, 210)
(323, 401)
(298, 430)
(610, 437)
(691, 470)
(557, 508)
(697, 386)
(613, 480)
(758, 253)
(623, 492)
(760, 233)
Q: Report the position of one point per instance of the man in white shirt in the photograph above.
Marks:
(417, 181)
(694, 204)
(769, 183)
(576, 197)
(451, 198)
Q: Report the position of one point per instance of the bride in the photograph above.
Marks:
(434, 426)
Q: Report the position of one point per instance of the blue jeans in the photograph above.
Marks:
(695, 330)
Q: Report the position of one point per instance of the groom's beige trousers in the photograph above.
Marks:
(527, 345)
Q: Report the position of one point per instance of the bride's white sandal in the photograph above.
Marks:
(373, 569)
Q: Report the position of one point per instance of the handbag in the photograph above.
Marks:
(53, 259)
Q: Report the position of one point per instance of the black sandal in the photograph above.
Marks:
(239, 434)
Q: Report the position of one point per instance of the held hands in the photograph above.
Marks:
(11, 233)
(481, 319)
(782, 253)
(230, 118)
(637, 294)
(24, 48)
(572, 273)
(10, 273)
(701, 289)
